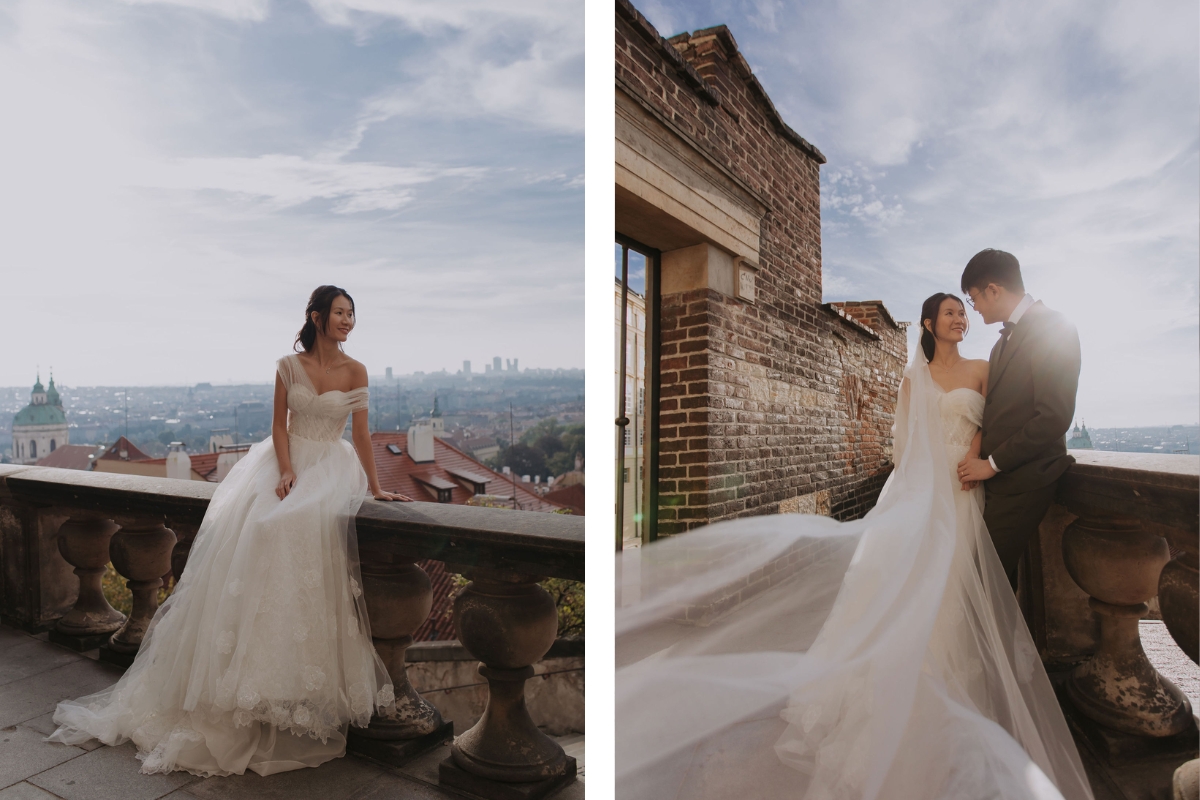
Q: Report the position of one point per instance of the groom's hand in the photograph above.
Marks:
(974, 469)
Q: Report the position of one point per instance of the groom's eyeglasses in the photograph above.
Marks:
(971, 299)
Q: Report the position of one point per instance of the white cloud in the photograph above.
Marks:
(1063, 132)
(285, 181)
(170, 202)
(247, 10)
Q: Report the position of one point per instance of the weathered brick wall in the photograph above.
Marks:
(783, 397)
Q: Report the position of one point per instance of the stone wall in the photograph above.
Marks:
(765, 399)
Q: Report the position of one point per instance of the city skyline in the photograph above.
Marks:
(1048, 131)
(180, 175)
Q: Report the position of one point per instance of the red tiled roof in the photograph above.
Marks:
(114, 453)
(439, 625)
(203, 464)
(399, 473)
(69, 456)
(569, 496)
(451, 466)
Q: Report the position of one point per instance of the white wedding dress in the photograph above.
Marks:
(794, 656)
(262, 655)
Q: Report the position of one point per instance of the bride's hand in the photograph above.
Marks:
(382, 495)
(287, 479)
(969, 485)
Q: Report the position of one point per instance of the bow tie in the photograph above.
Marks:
(1007, 329)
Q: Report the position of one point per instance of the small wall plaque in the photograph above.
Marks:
(746, 271)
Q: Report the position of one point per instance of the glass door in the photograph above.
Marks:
(635, 302)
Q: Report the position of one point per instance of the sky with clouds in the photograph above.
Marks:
(1067, 133)
(180, 174)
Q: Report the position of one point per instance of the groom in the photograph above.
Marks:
(1032, 378)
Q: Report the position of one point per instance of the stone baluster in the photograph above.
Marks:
(141, 553)
(83, 541)
(185, 533)
(508, 622)
(1118, 564)
(398, 597)
(1179, 600)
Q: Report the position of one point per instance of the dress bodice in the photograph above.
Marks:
(962, 414)
(320, 417)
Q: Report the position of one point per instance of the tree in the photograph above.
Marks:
(524, 460)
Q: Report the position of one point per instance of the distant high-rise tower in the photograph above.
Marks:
(389, 374)
(466, 368)
(496, 365)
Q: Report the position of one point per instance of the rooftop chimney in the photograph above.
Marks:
(420, 443)
(179, 463)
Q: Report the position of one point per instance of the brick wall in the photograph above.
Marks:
(787, 396)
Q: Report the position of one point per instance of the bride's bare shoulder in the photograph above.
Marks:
(979, 367)
(358, 373)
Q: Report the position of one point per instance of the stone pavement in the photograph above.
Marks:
(35, 675)
(1169, 660)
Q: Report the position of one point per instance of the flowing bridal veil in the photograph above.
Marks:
(795, 656)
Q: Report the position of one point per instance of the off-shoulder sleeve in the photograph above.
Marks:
(359, 399)
(284, 367)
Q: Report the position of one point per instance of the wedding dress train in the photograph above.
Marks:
(262, 655)
(794, 656)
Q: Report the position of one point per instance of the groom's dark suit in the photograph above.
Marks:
(1030, 403)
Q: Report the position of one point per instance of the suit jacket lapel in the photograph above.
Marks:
(997, 364)
(993, 366)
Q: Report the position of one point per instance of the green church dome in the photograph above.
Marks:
(49, 412)
(40, 415)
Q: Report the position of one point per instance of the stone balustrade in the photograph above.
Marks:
(1103, 554)
(59, 528)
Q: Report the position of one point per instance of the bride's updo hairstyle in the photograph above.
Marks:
(929, 311)
(320, 301)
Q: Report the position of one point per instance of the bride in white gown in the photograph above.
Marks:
(262, 655)
(795, 656)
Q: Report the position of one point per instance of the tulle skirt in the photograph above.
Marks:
(795, 657)
(262, 656)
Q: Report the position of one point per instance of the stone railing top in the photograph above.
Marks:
(1162, 491)
(1160, 463)
(548, 545)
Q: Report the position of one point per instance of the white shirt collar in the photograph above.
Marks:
(1021, 308)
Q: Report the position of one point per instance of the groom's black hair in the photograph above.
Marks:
(993, 266)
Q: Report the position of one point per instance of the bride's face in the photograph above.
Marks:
(951, 322)
(341, 320)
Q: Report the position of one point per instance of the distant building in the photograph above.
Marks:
(389, 374)
(41, 427)
(71, 456)
(126, 459)
(1080, 439)
(218, 438)
(633, 479)
(466, 368)
(496, 364)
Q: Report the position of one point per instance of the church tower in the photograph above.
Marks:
(435, 418)
(41, 427)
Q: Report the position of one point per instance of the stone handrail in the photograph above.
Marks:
(1103, 553)
(54, 522)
